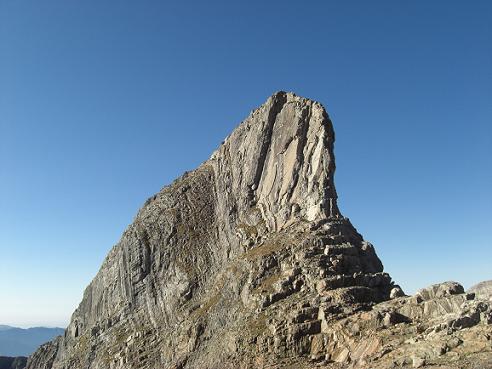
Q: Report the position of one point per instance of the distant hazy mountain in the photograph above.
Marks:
(23, 342)
(12, 362)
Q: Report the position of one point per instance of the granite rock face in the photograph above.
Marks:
(245, 262)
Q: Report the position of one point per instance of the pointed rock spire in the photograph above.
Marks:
(281, 159)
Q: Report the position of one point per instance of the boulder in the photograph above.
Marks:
(482, 290)
(440, 290)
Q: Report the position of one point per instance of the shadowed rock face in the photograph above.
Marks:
(240, 263)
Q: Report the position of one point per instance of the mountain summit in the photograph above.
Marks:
(244, 262)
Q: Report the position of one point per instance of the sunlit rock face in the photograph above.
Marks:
(281, 160)
(244, 262)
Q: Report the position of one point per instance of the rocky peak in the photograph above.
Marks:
(281, 159)
(245, 260)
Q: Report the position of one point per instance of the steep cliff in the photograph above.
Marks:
(244, 262)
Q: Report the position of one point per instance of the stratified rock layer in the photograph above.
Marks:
(244, 262)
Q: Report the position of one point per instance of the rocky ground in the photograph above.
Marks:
(247, 262)
(439, 327)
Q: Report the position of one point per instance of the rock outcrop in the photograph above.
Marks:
(482, 290)
(439, 327)
(247, 262)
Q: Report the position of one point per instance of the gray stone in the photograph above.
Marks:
(396, 292)
(440, 290)
(417, 362)
(482, 290)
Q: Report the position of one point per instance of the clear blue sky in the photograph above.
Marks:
(104, 102)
